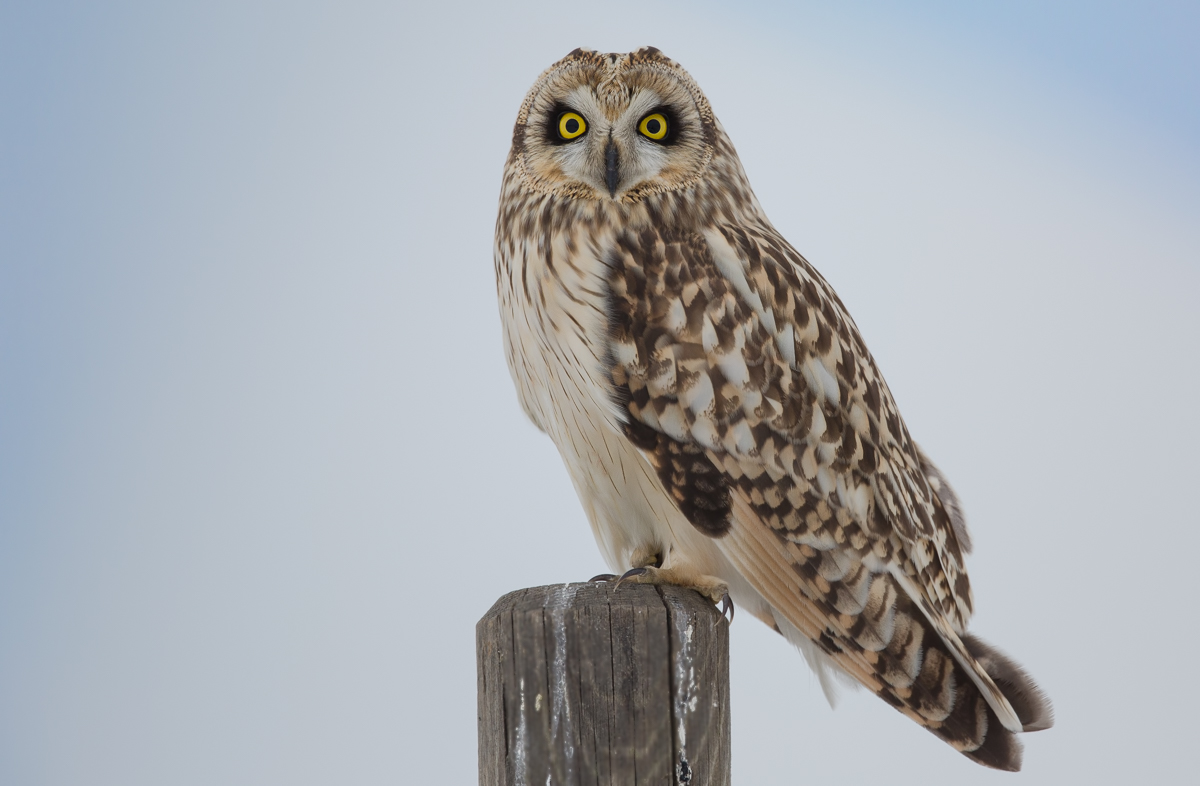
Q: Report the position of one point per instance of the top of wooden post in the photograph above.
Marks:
(587, 684)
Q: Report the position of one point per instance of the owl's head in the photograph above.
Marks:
(614, 127)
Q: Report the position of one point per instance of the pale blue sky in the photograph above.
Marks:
(261, 465)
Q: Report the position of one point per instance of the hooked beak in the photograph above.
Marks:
(612, 173)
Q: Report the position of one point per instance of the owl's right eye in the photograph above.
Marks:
(571, 125)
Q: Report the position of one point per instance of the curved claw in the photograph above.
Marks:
(727, 606)
(602, 577)
(629, 574)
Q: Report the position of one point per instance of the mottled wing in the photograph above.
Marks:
(731, 342)
(747, 386)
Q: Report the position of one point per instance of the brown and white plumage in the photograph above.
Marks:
(718, 411)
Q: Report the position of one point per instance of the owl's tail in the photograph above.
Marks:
(918, 675)
(997, 746)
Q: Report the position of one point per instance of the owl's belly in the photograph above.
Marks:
(626, 506)
(629, 511)
(564, 395)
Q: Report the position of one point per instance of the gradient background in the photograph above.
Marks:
(262, 467)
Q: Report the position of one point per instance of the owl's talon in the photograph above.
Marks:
(630, 574)
(727, 606)
(602, 577)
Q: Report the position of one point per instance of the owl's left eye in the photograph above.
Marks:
(654, 126)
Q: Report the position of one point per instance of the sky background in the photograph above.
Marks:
(262, 467)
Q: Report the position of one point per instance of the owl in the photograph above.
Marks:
(724, 425)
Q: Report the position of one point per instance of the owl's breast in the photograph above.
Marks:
(553, 291)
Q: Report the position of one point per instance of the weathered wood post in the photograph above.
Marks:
(583, 684)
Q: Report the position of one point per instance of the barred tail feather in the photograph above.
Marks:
(1030, 703)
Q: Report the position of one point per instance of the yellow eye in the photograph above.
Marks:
(571, 125)
(653, 126)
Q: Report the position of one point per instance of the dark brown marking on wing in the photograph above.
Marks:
(695, 485)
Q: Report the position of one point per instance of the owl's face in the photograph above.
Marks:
(614, 127)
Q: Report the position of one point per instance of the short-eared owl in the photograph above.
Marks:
(722, 420)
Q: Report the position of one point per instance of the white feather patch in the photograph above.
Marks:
(733, 268)
(786, 341)
(820, 380)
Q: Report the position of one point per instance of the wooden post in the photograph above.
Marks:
(584, 684)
